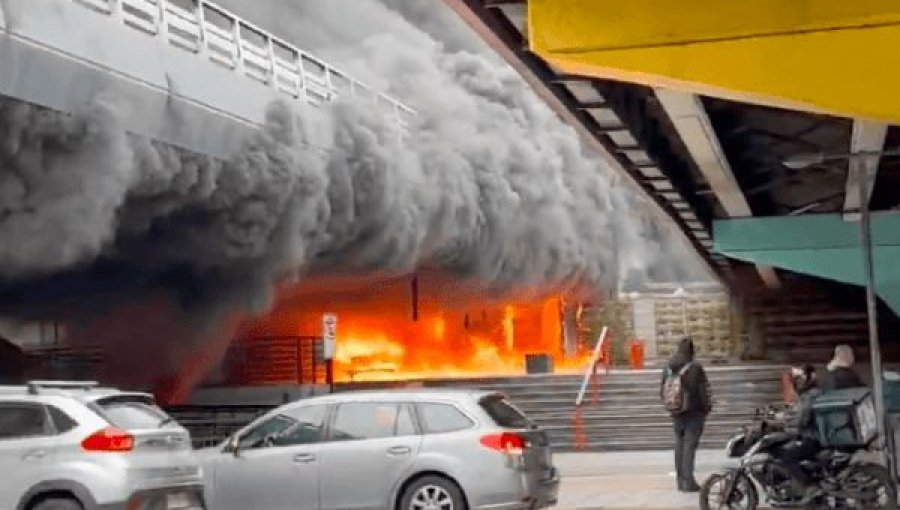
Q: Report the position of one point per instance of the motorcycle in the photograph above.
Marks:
(842, 481)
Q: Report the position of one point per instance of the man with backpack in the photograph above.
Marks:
(686, 394)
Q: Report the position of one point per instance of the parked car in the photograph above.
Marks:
(397, 450)
(77, 446)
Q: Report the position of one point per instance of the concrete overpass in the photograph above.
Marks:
(184, 72)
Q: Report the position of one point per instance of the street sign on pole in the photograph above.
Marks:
(329, 332)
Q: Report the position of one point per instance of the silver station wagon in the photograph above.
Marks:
(397, 450)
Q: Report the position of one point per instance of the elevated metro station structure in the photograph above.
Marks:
(751, 124)
(187, 73)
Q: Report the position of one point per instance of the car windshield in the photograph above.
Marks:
(503, 413)
(132, 413)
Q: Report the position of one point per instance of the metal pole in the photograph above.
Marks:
(871, 299)
(329, 375)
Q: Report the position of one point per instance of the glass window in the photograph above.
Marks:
(406, 424)
(22, 420)
(62, 422)
(262, 434)
(131, 413)
(438, 418)
(369, 420)
(301, 425)
(503, 413)
(307, 428)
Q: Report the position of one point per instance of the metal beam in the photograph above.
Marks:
(867, 137)
(692, 123)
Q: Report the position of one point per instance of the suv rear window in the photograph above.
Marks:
(503, 413)
(129, 413)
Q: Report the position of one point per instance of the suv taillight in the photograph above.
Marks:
(506, 442)
(109, 439)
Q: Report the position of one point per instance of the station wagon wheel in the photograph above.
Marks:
(432, 493)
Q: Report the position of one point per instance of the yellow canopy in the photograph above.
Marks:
(834, 56)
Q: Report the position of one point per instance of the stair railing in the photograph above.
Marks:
(592, 366)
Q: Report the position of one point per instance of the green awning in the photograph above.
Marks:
(826, 246)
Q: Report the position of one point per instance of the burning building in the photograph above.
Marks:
(164, 256)
(419, 327)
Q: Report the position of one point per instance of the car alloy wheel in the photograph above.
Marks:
(431, 497)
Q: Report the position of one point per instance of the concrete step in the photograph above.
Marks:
(623, 411)
(629, 445)
(716, 440)
(751, 401)
(613, 385)
(640, 428)
(624, 414)
(764, 370)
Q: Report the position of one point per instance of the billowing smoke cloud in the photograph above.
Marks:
(489, 185)
(476, 106)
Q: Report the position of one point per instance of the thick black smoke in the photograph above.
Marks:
(489, 185)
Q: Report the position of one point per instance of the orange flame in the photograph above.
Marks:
(377, 338)
(371, 347)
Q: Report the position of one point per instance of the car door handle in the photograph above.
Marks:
(34, 455)
(304, 458)
(399, 450)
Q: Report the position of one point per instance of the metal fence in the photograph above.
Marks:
(276, 360)
(227, 40)
(210, 425)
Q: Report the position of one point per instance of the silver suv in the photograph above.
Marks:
(76, 446)
(397, 450)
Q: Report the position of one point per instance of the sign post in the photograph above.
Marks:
(329, 334)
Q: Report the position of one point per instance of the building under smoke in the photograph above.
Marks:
(161, 254)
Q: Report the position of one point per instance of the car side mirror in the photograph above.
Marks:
(234, 445)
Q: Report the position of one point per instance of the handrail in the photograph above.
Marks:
(229, 41)
(595, 357)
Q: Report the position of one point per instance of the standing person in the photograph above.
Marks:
(686, 394)
(840, 370)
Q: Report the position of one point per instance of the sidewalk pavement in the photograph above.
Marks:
(628, 480)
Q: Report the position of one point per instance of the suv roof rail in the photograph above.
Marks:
(34, 386)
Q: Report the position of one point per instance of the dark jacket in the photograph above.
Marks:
(841, 378)
(799, 418)
(696, 385)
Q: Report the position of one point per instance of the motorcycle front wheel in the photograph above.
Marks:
(873, 487)
(714, 493)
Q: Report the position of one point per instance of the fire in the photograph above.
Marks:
(450, 344)
(380, 338)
